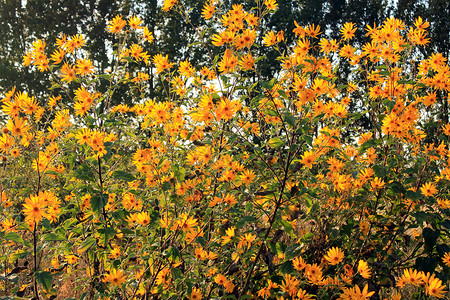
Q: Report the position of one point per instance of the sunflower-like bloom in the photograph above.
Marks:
(364, 269)
(115, 277)
(34, 209)
(334, 256)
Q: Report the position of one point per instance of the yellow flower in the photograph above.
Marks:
(247, 176)
(348, 31)
(308, 159)
(71, 259)
(34, 208)
(148, 35)
(67, 73)
(363, 269)
(428, 189)
(301, 294)
(115, 253)
(446, 259)
(334, 256)
(115, 277)
(161, 62)
(143, 218)
(377, 183)
(116, 24)
(84, 67)
(270, 38)
(434, 286)
(290, 284)
(18, 126)
(208, 11)
(299, 263)
(271, 4)
(411, 276)
(134, 22)
(247, 62)
(195, 295)
(356, 293)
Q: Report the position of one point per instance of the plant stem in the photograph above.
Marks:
(36, 294)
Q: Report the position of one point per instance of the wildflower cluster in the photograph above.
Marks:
(307, 185)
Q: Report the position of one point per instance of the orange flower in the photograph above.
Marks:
(428, 189)
(34, 208)
(134, 22)
(348, 31)
(363, 269)
(208, 11)
(308, 159)
(312, 30)
(161, 62)
(84, 67)
(220, 279)
(195, 294)
(168, 4)
(143, 218)
(247, 176)
(247, 62)
(433, 286)
(446, 259)
(67, 72)
(334, 256)
(377, 183)
(271, 4)
(115, 277)
(116, 24)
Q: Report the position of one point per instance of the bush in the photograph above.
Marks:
(310, 184)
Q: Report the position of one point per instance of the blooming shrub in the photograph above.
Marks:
(234, 186)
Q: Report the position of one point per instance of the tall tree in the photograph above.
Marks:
(22, 22)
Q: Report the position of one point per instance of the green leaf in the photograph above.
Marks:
(430, 236)
(245, 220)
(287, 267)
(446, 224)
(84, 173)
(442, 249)
(426, 264)
(123, 176)
(368, 144)
(98, 202)
(413, 195)
(176, 273)
(287, 226)
(105, 235)
(289, 118)
(380, 171)
(283, 94)
(55, 86)
(275, 142)
(272, 113)
(52, 237)
(15, 237)
(19, 255)
(87, 244)
(308, 139)
(45, 278)
(89, 120)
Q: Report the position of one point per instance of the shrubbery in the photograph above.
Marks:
(308, 185)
